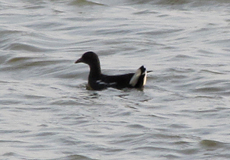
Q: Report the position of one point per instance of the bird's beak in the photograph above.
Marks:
(79, 60)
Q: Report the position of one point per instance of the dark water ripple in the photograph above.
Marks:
(47, 113)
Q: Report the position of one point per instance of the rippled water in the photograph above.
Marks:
(47, 113)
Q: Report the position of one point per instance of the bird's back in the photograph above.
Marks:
(117, 81)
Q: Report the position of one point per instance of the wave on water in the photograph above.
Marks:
(85, 3)
(47, 112)
(179, 2)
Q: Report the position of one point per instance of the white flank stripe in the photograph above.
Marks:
(104, 83)
(100, 82)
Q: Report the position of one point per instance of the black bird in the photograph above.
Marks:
(99, 81)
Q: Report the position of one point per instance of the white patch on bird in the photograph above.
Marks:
(104, 83)
(135, 78)
(100, 82)
(145, 77)
(113, 83)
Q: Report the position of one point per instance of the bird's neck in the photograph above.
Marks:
(95, 71)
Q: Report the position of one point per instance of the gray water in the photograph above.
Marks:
(46, 112)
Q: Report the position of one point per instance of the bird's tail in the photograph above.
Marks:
(139, 78)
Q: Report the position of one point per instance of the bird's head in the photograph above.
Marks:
(88, 58)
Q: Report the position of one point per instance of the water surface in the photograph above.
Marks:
(47, 113)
